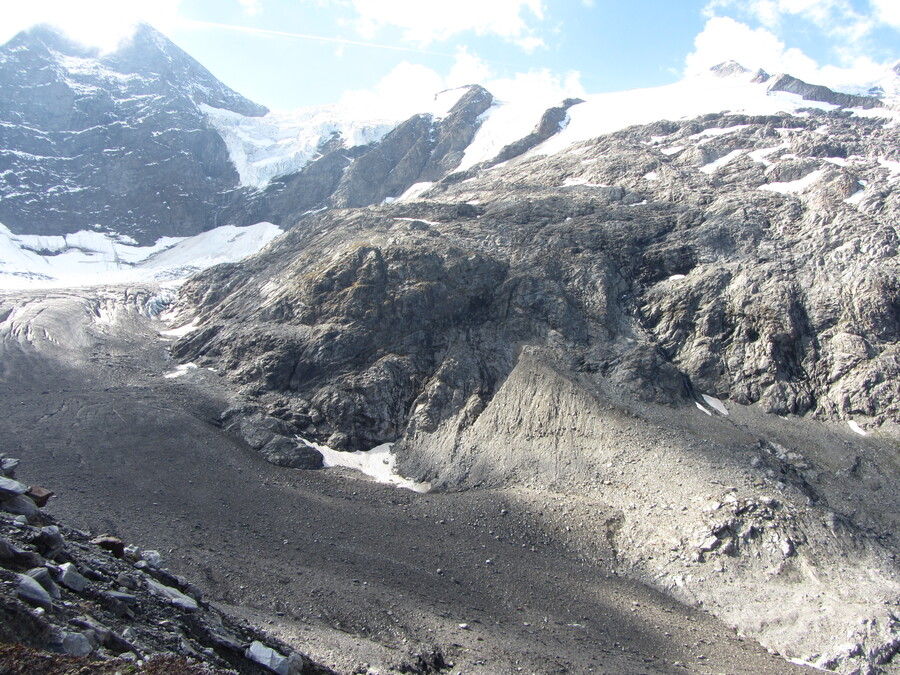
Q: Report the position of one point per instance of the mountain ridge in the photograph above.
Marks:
(675, 310)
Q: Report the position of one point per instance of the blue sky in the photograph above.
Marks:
(293, 53)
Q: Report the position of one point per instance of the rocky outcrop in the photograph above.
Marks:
(814, 92)
(419, 150)
(100, 605)
(656, 285)
(551, 122)
(638, 316)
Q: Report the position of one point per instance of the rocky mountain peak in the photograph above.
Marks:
(729, 69)
(149, 52)
(42, 39)
(815, 92)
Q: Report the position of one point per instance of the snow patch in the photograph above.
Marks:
(707, 135)
(180, 371)
(794, 186)
(377, 463)
(415, 190)
(855, 428)
(700, 407)
(712, 167)
(892, 166)
(716, 404)
(580, 180)
(762, 154)
(181, 331)
(651, 176)
(856, 198)
(419, 220)
(98, 258)
(672, 151)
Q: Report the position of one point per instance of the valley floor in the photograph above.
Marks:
(356, 574)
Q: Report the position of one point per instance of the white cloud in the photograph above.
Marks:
(836, 18)
(724, 38)
(887, 11)
(408, 89)
(251, 7)
(101, 23)
(427, 22)
(468, 69)
(411, 88)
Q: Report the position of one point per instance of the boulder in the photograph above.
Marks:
(33, 593)
(112, 544)
(103, 634)
(174, 596)
(8, 466)
(21, 505)
(39, 495)
(286, 452)
(71, 578)
(10, 488)
(153, 558)
(268, 658)
(76, 644)
(42, 576)
(49, 542)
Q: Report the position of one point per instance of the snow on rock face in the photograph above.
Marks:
(794, 186)
(263, 148)
(90, 258)
(282, 142)
(738, 92)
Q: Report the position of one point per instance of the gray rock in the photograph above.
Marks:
(104, 635)
(49, 542)
(268, 658)
(43, 577)
(173, 595)
(32, 592)
(8, 552)
(10, 488)
(812, 92)
(287, 452)
(21, 506)
(153, 558)
(76, 644)
(8, 466)
(127, 598)
(71, 578)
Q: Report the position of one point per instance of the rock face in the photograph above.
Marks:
(419, 150)
(736, 281)
(562, 318)
(813, 92)
(62, 106)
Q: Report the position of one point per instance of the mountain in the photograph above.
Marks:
(64, 107)
(653, 332)
(690, 321)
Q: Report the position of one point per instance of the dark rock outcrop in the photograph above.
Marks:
(815, 92)
(115, 611)
(419, 150)
(415, 315)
